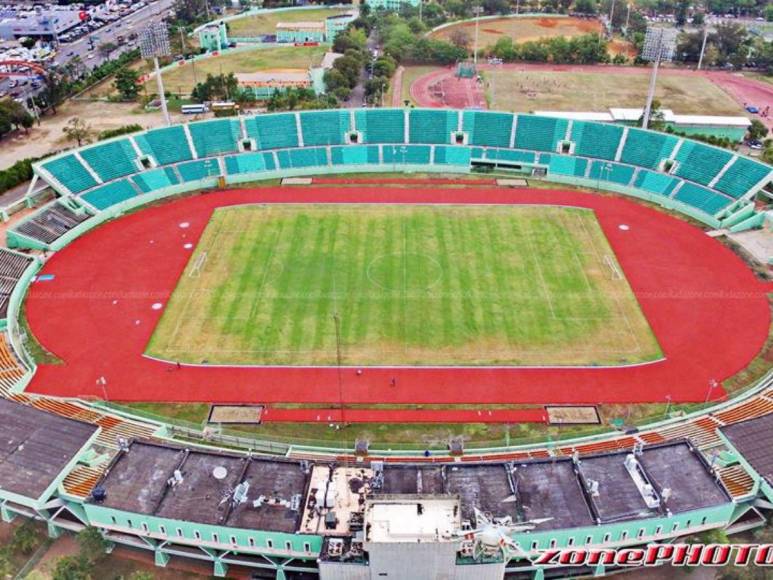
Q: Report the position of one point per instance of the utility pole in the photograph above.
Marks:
(703, 46)
(612, 17)
(476, 10)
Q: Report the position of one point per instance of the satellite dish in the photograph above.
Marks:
(219, 472)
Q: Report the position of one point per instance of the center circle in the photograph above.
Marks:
(405, 271)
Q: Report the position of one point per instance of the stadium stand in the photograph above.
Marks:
(539, 133)
(702, 198)
(273, 131)
(488, 129)
(599, 140)
(166, 145)
(710, 182)
(155, 179)
(12, 266)
(112, 160)
(215, 136)
(432, 126)
(325, 128)
(657, 183)
(196, 170)
(700, 163)
(647, 148)
(381, 125)
(104, 196)
(11, 370)
(741, 176)
(68, 171)
(51, 223)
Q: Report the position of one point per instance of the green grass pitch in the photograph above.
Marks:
(403, 285)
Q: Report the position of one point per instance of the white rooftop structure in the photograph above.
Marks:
(412, 519)
(633, 115)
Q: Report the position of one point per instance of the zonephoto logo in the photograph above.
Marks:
(659, 554)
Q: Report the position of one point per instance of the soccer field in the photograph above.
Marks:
(403, 285)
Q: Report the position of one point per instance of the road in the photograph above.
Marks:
(357, 96)
(133, 22)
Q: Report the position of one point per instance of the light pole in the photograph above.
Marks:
(703, 46)
(477, 11)
(154, 42)
(658, 45)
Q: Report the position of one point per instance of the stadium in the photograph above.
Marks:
(387, 266)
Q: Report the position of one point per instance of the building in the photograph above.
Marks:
(213, 36)
(336, 24)
(730, 127)
(300, 32)
(264, 83)
(46, 24)
(396, 5)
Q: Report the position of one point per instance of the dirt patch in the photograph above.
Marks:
(547, 22)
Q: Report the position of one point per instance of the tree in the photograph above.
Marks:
(77, 130)
(460, 38)
(757, 130)
(585, 6)
(769, 12)
(16, 114)
(55, 89)
(25, 539)
(126, 83)
(141, 575)
(73, 568)
(92, 544)
(106, 49)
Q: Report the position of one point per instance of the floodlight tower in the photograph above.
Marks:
(659, 45)
(154, 42)
(477, 11)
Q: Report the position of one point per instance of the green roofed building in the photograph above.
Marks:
(392, 4)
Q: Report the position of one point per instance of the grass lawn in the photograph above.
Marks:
(580, 91)
(521, 29)
(454, 285)
(259, 24)
(410, 74)
(182, 79)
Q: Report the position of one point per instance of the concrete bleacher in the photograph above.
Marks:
(488, 129)
(112, 160)
(215, 136)
(599, 140)
(647, 148)
(70, 172)
(700, 163)
(51, 223)
(304, 141)
(166, 145)
(12, 266)
(273, 131)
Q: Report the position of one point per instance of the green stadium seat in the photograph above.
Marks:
(702, 198)
(654, 182)
(539, 133)
(111, 160)
(614, 172)
(299, 158)
(432, 125)
(104, 196)
(324, 127)
(353, 155)
(599, 140)
(167, 145)
(154, 179)
(407, 154)
(489, 129)
(71, 173)
(647, 148)
(565, 164)
(508, 155)
(741, 176)
(273, 131)
(245, 163)
(215, 136)
(700, 163)
(195, 170)
(448, 155)
(381, 125)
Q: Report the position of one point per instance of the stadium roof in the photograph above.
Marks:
(36, 446)
(300, 26)
(754, 440)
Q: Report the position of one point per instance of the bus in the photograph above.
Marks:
(193, 109)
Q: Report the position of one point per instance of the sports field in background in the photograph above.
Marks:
(182, 79)
(403, 285)
(522, 91)
(260, 24)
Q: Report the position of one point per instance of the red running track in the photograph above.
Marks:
(709, 312)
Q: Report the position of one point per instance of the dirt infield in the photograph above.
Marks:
(709, 312)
